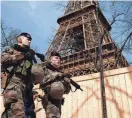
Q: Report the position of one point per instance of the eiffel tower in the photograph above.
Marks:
(77, 38)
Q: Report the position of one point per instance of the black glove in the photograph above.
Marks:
(41, 56)
(29, 55)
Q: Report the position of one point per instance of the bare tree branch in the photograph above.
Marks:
(8, 35)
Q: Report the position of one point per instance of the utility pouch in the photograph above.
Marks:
(10, 95)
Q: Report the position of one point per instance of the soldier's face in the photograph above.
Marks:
(25, 41)
(55, 61)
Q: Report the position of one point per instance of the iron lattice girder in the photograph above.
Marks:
(86, 56)
(78, 37)
(85, 20)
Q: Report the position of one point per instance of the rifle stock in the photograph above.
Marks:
(3, 79)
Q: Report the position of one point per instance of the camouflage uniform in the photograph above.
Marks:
(54, 92)
(14, 92)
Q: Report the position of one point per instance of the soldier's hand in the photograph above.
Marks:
(67, 79)
(57, 74)
(17, 57)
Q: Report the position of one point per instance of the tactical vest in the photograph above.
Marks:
(56, 89)
(24, 68)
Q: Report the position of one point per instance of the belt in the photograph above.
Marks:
(20, 78)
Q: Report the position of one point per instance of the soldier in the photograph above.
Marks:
(54, 91)
(20, 58)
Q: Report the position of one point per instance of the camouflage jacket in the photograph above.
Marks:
(11, 57)
(51, 73)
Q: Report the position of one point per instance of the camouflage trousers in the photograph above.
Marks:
(13, 99)
(52, 108)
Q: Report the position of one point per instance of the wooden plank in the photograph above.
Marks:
(118, 100)
(74, 105)
(95, 100)
(64, 108)
(99, 99)
(91, 109)
(80, 102)
(124, 96)
(85, 101)
(108, 97)
(106, 74)
(129, 90)
(70, 98)
(128, 93)
(112, 93)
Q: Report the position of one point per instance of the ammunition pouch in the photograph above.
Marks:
(23, 68)
(10, 95)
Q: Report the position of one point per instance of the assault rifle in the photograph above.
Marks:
(76, 85)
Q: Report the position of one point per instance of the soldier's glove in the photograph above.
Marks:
(67, 77)
(41, 56)
(57, 75)
(29, 55)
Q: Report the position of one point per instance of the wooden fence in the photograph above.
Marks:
(87, 104)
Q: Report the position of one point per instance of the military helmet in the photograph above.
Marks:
(56, 90)
(38, 72)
